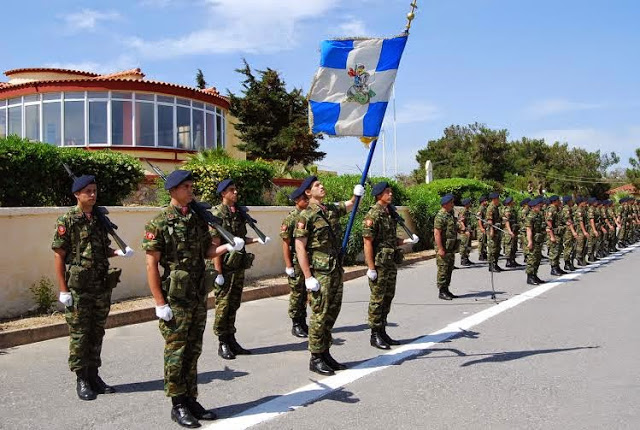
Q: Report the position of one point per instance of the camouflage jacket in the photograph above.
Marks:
(551, 215)
(591, 215)
(482, 213)
(566, 216)
(493, 214)
(379, 225)
(182, 240)
(446, 223)
(320, 224)
(84, 239)
(232, 221)
(464, 221)
(522, 217)
(535, 221)
(509, 215)
(288, 227)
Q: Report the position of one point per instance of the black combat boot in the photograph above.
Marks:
(224, 350)
(509, 263)
(448, 291)
(198, 411)
(318, 365)
(297, 329)
(571, 266)
(538, 280)
(495, 268)
(442, 294)
(483, 256)
(555, 271)
(181, 414)
(331, 362)
(235, 346)
(465, 262)
(83, 386)
(388, 338)
(515, 263)
(377, 340)
(531, 280)
(567, 267)
(97, 384)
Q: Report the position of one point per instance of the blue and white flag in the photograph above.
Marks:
(351, 89)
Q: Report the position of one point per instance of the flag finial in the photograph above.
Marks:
(411, 15)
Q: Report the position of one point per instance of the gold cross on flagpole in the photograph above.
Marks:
(411, 15)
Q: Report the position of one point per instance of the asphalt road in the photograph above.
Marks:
(562, 355)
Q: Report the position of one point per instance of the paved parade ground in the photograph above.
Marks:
(559, 355)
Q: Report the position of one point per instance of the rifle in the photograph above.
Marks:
(251, 221)
(101, 214)
(394, 213)
(200, 209)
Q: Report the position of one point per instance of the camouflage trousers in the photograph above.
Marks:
(325, 307)
(533, 258)
(568, 246)
(298, 297)
(445, 268)
(383, 289)
(228, 299)
(86, 319)
(581, 246)
(482, 242)
(592, 243)
(465, 245)
(183, 346)
(493, 247)
(554, 250)
(510, 245)
(622, 232)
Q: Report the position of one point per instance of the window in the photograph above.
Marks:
(220, 132)
(98, 123)
(184, 127)
(145, 127)
(73, 123)
(198, 129)
(77, 95)
(32, 98)
(51, 124)
(209, 141)
(51, 96)
(3, 122)
(144, 97)
(118, 95)
(121, 131)
(15, 120)
(32, 122)
(165, 125)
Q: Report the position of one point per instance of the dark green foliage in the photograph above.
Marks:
(281, 197)
(43, 295)
(31, 173)
(200, 82)
(633, 173)
(273, 122)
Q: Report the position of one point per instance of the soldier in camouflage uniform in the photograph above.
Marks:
(481, 230)
(82, 252)
(621, 220)
(230, 280)
(318, 243)
(298, 296)
(522, 217)
(445, 239)
(381, 255)
(464, 233)
(593, 228)
(510, 238)
(494, 237)
(612, 222)
(570, 235)
(581, 225)
(554, 235)
(534, 225)
(180, 241)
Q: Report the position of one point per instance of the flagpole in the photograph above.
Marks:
(363, 179)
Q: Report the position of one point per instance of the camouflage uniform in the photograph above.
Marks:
(183, 241)
(568, 241)
(591, 240)
(509, 243)
(579, 216)
(86, 244)
(552, 216)
(446, 223)
(534, 221)
(229, 295)
(320, 224)
(522, 219)
(482, 236)
(464, 218)
(493, 243)
(621, 213)
(380, 226)
(298, 297)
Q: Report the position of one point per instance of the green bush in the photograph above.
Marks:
(281, 197)
(43, 294)
(252, 177)
(31, 173)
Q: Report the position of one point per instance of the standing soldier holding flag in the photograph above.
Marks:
(493, 232)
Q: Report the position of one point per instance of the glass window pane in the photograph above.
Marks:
(51, 96)
(121, 131)
(184, 127)
(184, 102)
(165, 99)
(32, 98)
(118, 95)
(210, 107)
(32, 122)
(144, 124)
(147, 97)
(3, 102)
(15, 101)
(219, 141)
(198, 129)
(98, 123)
(15, 120)
(51, 123)
(3, 122)
(74, 95)
(209, 141)
(198, 105)
(98, 94)
(165, 126)
(73, 123)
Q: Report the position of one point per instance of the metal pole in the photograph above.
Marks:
(395, 133)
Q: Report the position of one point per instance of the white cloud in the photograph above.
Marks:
(353, 27)
(414, 112)
(557, 106)
(88, 19)
(123, 62)
(255, 26)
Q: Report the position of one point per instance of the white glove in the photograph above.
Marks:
(66, 299)
(128, 252)
(238, 244)
(164, 312)
(219, 280)
(290, 271)
(312, 284)
(358, 190)
(265, 241)
(372, 274)
(412, 239)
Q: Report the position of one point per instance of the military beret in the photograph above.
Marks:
(623, 200)
(308, 181)
(379, 188)
(446, 199)
(177, 177)
(553, 198)
(296, 193)
(494, 195)
(224, 184)
(566, 199)
(525, 201)
(482, 199)
(507, 200)
(579, 199)
(592, 200)
(466, 201)
(536, 202)
(81, 182)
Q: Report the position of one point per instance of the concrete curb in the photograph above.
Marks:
(24, 336)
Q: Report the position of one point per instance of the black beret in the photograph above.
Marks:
(623, 200)
(535, 202)
(81, 182)
(494, 195)
(379, 188)
(592, 200)
(177, 177)
(224, 184)
(554, 198)
(482, 199)
(507, 200)
(296, 193)
(308, 181)
(466, 201)
(525, 201)
(566, 199)
(446, 199)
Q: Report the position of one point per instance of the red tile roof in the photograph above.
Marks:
(628, 188)
(136, 72)
(49, 69)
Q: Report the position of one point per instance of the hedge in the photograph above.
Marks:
(31, 173)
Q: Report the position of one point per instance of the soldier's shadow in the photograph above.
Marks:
(274, 349)
(158, 385)
(357, 328)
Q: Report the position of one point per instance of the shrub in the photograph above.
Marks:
(43, 294)
(31, 173)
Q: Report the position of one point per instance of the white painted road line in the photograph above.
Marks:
(312, 392)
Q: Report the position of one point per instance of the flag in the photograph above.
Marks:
(350, 91)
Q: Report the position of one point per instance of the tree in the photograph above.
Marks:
(200, 82)
(272, 122)
(633, 173)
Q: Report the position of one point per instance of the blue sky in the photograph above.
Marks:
(562, 70)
